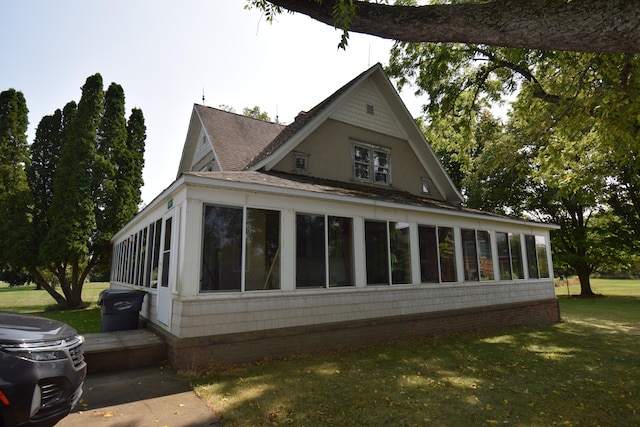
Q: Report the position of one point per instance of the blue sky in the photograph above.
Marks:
(166, 53)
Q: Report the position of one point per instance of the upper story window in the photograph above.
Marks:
(371, 163)
(301, 163)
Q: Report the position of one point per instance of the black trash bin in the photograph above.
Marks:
(119, 309)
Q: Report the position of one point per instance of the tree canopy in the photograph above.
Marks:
(578, 25)
(80, 184)
(568, 153)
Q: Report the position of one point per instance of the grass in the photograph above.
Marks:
(584, 371)
(26, 299)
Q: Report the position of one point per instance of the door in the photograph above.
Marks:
(166, 271)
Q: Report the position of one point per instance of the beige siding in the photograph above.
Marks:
(330, 156)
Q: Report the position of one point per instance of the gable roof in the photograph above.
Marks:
(242, 143)
(234, 138)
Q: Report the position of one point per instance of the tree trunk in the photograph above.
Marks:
(584, 274)
(43, 284)
(579, 25)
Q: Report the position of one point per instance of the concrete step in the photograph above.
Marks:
(122, 350)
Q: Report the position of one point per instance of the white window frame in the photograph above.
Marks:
(372, 149)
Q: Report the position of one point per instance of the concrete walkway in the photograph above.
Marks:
(153, 396)
(129, 385)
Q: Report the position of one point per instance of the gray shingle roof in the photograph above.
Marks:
(344, 189)
(236, 139)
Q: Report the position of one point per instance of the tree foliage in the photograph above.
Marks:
(256, 113)
(578, 25)
(83, 181)
(568, 153)
(14, 190)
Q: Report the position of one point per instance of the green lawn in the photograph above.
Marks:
(26, 299)
(584, 371)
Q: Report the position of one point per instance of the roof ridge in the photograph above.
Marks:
(239, 115)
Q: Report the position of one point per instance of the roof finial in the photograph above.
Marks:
(203, 97)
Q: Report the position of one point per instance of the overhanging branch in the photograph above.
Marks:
(578, 25)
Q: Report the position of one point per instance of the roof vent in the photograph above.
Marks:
(300, 115)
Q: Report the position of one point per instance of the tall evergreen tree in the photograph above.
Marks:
(111, 141)
(15, 195)
(131, 178)
(45, 158)
(73, 217)
(86, 174)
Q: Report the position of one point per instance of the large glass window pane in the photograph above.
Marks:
(148, 267)
(156, 254)
(400, 252)
(311, 267)
(504, 258)
(517, 266)
(166, 253)
(543, 265)
(377, 252)
(340, 249)
(222, 248)
(530, 245)
(361, 162)
(143, 254)
(134, 259)
(447, 250)
(262, 264)
(428, 254)
(485, 257)
(470, 255)
(381, 166)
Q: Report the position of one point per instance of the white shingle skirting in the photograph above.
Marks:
(222, 314)
(244, 347)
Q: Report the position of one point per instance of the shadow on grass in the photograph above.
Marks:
(573, 373)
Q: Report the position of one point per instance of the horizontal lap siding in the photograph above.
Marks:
(228, 314)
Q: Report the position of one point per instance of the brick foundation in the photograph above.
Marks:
(247, 347)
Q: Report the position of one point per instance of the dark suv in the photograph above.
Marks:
(42, 370)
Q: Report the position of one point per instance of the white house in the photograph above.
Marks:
(341, 229)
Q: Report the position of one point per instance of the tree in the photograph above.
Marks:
(81, 157)
(45, 158)
(256, 113)
(578, 25)
(572, 135)
(15, 195)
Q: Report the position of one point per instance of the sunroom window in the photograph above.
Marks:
(324, 251)
(233, 260)
(437, 254)
(536, 256)
(388, 258)
(371, 163)
(509, 256)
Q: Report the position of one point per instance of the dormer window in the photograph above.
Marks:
(371, 163)
(301, 164)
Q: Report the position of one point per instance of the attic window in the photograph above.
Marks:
(204, 140)
(301, 164)
(371, 163)
(370, 109)
(426, 186)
